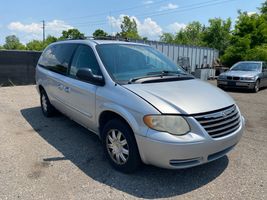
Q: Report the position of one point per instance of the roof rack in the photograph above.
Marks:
(107, 38)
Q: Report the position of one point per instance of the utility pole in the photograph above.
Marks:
(43, 30)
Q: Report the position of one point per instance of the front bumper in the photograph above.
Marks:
(186, 154)
(236, 84)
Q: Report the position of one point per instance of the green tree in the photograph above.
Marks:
(263, 8)
(218, 34)
(72, 34)
(100, 33)
(49, 39)
(129, 29)
(35, 45)
(254, 26)
(190, 35)
(257, 53)
(12, 43)
(236, 52)
(167, 38)
(249, 37)
(38, 45)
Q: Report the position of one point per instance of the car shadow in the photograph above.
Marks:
(84, 150)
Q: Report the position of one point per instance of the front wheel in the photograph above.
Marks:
(120, 146)
(257, 86)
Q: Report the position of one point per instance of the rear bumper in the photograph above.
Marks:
(187, 154)
(236, 84)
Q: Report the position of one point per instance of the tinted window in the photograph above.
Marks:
(57, 57)
(84, 58)
(264, 66)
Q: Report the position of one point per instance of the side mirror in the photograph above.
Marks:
(86, 74)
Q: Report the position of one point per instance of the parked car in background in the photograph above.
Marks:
(141, 105)
(246, 74)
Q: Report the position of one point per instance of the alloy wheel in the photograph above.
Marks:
(117, 146)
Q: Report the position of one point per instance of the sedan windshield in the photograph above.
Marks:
(246, 67)
(126, 62)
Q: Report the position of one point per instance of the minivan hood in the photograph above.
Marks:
(240, 73)
(182, 97)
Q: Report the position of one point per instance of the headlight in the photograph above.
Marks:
(248, 78)
(175, 125)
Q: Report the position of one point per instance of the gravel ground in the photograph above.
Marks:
(55, 158)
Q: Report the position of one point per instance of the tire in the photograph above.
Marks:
(47, 108)
(120, 146)
(257, 86)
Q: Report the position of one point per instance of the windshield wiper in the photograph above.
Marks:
(160, 74)
(166, 72)
(132, 80)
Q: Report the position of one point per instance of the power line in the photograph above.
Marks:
(114, 11)
(160, 13)
(154, 13)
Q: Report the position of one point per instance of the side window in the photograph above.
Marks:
(57, 57)
(84, 58)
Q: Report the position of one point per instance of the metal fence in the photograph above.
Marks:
(190, 57)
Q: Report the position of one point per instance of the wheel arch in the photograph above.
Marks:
(115, 111)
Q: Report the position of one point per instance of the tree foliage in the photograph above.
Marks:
(12, 42)
(249, 39)
(100, 33)
(72, 34)
(218, 34)
(263, 8)
(35, 45)
(38, 45)
(167, 38)
(191, 34)
(129, 28)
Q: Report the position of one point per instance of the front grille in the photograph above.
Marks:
(221, 122)
(229, 77)
(236, 78)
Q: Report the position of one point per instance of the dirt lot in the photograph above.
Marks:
(55, 158)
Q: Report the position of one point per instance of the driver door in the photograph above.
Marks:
(79, 95)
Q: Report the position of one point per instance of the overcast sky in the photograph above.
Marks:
(153, 17)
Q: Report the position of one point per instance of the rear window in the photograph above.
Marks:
(57, 57)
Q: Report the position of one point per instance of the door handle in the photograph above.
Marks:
(67, 89)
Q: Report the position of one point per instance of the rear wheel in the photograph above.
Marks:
(47, 108)
(257, 86)
(120, 146)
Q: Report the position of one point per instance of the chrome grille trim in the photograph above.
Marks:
(221, 122)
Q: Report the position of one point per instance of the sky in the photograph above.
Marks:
(153, 17)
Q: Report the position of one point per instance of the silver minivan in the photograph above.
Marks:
(143, 107)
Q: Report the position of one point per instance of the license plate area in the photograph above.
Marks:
(231, 83)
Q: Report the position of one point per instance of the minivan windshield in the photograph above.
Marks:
(126, 62)
(249, 66)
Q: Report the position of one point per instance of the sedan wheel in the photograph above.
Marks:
(257, 86)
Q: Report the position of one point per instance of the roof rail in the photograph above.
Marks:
(107, 38)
